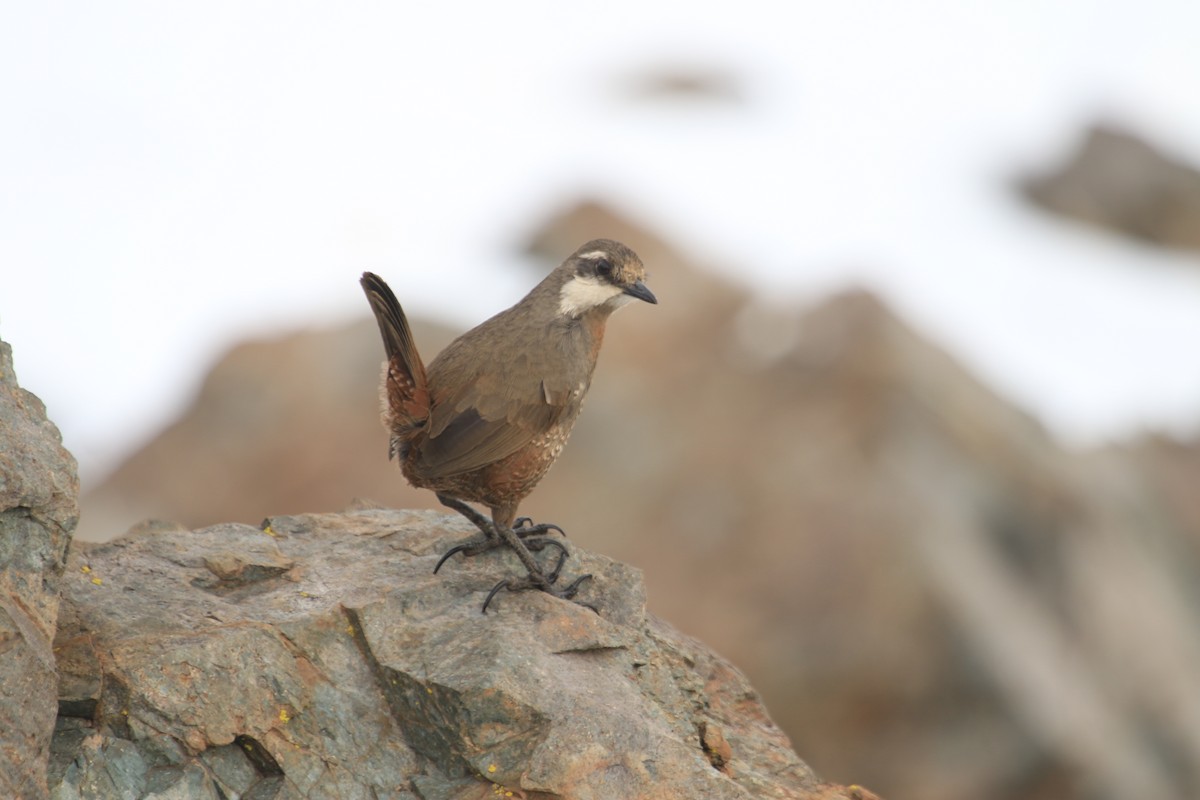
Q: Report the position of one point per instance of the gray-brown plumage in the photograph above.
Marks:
(485, 420)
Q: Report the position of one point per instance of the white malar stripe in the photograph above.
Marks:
(581, 294)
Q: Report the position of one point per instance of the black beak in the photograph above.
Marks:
(640, 291)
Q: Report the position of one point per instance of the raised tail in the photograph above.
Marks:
(404, 391)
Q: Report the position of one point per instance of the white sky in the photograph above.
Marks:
(177, 176)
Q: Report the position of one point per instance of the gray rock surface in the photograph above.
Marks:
(38, 492)
(319, 656)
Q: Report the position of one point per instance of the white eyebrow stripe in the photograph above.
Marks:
(594, 254)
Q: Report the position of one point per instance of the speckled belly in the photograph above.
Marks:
(508, 480)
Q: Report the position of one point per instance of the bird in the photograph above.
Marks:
(485, 420)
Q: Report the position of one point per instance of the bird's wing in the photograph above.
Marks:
(485, 420)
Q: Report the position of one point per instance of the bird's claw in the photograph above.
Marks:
(562, 559)
(532, 582)
(537, 545)
(524, 526)
(458, 548)
(473, 547)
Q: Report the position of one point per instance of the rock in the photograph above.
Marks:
(318, 656)
(1119, 181)
(38, 491)
(896, 555)
(674, 84)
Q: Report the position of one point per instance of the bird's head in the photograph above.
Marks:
(602, 275)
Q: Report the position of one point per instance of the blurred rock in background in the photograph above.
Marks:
(934, 598)
(670, 84)
(1119, 181)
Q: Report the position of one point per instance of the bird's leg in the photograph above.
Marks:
(535, 577)
(496, 535)
(479, 520)
(536, 574)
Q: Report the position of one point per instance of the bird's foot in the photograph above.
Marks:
(482, 544)
(523, 526)
(543, 583)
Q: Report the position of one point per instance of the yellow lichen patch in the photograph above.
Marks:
(97, 581)
(85, 569)
(267, 530)
(283, 715)
(491, 768)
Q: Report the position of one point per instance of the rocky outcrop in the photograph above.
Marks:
(896, 555)
(38, 491)
(318, 656)
(1119, 181)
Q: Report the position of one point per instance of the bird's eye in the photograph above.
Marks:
(604, 268)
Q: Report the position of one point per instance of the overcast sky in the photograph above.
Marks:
(177, 176)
